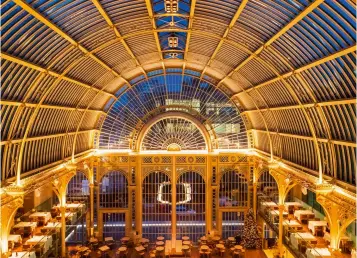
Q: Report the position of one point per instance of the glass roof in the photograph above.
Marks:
(289, 66)
(174, 90)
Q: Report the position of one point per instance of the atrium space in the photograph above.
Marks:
(178, 128)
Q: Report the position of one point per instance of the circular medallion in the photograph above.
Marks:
(190, 159)
(156, 159)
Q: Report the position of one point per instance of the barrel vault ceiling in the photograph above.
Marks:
(289, 66)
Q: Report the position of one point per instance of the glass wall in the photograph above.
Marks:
(156, 201)
(114, 190)
(233, 189)
(190, 206)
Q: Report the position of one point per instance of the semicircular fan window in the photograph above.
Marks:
(173, 131)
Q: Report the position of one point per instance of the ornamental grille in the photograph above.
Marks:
(173, 131)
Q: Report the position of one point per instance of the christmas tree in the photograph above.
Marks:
(251, 239)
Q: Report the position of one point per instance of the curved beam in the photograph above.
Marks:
(116, 32)
(287, 27)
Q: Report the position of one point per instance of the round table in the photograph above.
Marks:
(204, 248)
(125, 239)
(216, 238)
(160, 243)
(185, 238)
(160, 238)
(185, 247)
(160, 248)
(144, 240)
(186, 242)
(238, 247)
(203, 238)
(231, 239)
(122, 249)
(220, 246)
(93, 240)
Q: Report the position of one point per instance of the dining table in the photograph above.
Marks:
(53, 225)
(14, 238)
(23, 224)
(47, 240)
(295, 238)
(140, 248)
(298, 213)
(73, 207)
(104, 248)
(45, 215)
(23, 255)
(292, 224)
(296, 205)
(313, 224)
(318, 253)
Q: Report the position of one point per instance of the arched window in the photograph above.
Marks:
(156, 206)
(190, 206)
(114, 190)
(233, 189)
(78, 188)
(267, 187)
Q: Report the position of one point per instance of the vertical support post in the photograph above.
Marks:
(139, 197)
(208, 199)
(63, 229)
(255, 198)
(280, 239)
(91, 196)
(173, 206)
(99, 221)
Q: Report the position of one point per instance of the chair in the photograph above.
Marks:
(26, 247)
(222, 251)
(27, 231)
(319, 231)
(303, 218)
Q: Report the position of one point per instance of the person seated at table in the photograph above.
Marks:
(238, 239)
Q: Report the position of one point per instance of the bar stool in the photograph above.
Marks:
(186, 250)
(185, 238)
(160, 238)
(160, 251)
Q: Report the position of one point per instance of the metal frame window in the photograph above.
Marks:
(232, 224)
(114, 225)
(190, 206)
(78, 188)
(233, 189)
(156, 199)
(114, 190)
